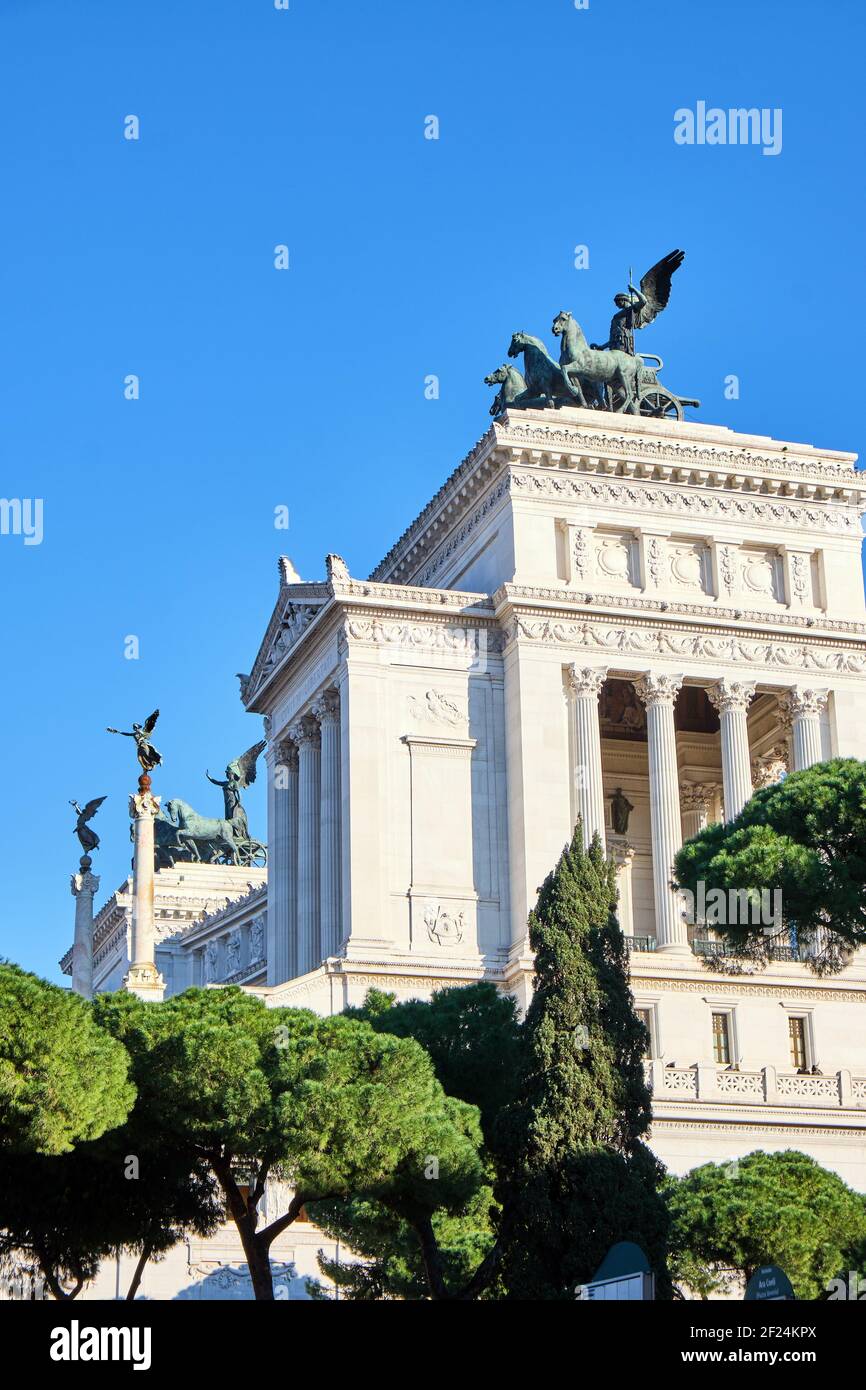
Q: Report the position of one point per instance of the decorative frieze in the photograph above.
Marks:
(712, 647)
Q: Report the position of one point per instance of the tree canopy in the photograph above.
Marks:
(805, 836)
(471, 1034)
(62, 1078)
(766, 1208)
(328, 1106)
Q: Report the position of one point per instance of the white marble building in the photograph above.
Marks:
(589, 603)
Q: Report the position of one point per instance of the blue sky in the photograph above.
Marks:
(305, 388)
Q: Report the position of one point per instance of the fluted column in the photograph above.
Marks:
(306, 735)
(802, 709)
(282, 862)
(327, 711)
(623, 856)
(84, 885)
(695, 799)
(731, 699)
(584, 685)
(143, 978)
(659, 693)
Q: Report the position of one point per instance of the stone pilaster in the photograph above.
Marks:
(659, 693)
(84, 885)
(802, 710)
(327, 711)
(622, 854)
(731, 698)
(306, 735)
(584, 684)
(143, 978)
(283, 861)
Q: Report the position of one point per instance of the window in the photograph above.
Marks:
(721, 1040)
(797, 1041)
(646, 1018)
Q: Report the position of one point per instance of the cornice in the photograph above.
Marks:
(777, 989)
(571, 599)
(710, 462)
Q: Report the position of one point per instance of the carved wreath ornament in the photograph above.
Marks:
(443, 927)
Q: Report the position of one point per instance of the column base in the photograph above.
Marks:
(145, 980)
(675, 948)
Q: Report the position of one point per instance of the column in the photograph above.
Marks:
(623, 856)
(327, 711)
(584, 685)
(730, 699)
(803, 709)
(282, 861)
(695, 798)
(659, 694)
(306, 735)
(84, 885)
(143, 978)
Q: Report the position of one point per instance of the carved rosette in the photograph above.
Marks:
(657, 689)
(727, 695)
(585, 682)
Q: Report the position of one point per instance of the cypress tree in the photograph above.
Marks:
(576, 1175)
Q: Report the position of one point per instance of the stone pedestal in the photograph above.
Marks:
(84, 885)
(143, 978)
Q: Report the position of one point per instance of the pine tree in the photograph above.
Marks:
(577, 1176)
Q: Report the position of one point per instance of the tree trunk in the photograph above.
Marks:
(136, 1278)
(255, 1249)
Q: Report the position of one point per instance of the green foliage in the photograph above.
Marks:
(577, 1177)
(125, 1190)
(766, 1208)
(391, 1265)
(806, 836)
(62, 1078)
(472, 1035)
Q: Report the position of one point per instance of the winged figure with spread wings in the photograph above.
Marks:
(87, 838)
(146, 753)
(239, 774)
(640, 306)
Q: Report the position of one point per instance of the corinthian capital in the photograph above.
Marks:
(799, 702)
(727, 695)
(657, 689)
(586, 681)
(84, 883)
(306, 730)
(142, 805)
(327, 708)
